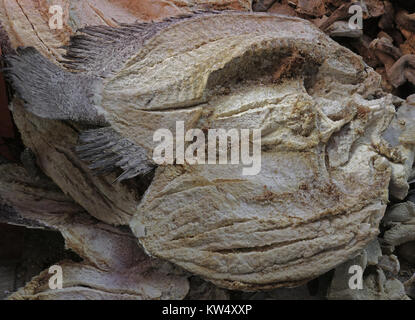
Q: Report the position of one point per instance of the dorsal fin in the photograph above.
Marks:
(100, 50)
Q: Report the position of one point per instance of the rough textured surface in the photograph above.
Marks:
(113, 266)
(322, 116)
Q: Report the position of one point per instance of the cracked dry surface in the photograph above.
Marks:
(323, 186)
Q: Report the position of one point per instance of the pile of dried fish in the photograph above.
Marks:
(335, 190)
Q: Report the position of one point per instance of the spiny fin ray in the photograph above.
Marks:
(106, 150)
